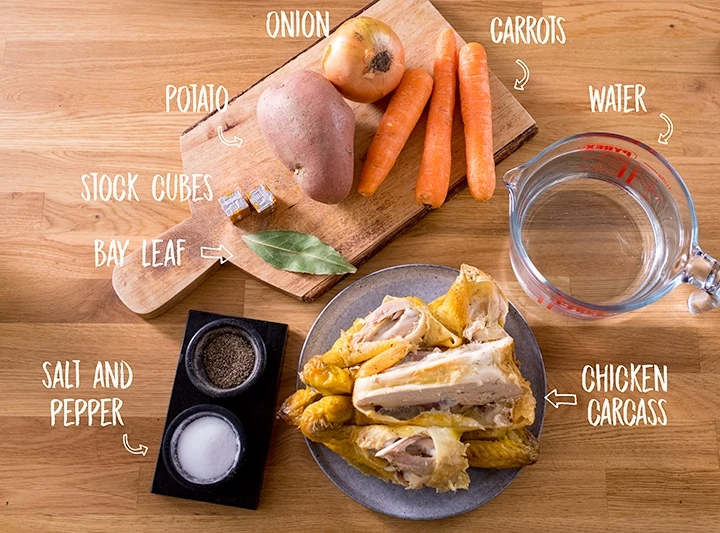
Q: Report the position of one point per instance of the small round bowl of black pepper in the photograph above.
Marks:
(225, 358)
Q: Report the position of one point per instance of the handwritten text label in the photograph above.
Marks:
(528, 30)
(294, 24)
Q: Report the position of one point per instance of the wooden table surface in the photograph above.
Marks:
(82, 89)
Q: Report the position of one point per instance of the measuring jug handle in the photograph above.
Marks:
(703, 272)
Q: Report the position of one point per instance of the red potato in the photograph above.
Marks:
(310, 129)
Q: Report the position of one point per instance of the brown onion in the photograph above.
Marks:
(364, 59)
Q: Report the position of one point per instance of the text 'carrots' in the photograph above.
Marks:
(402, 114)
(434, 177)
(477, 116)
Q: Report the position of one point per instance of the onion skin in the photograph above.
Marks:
(364, 59)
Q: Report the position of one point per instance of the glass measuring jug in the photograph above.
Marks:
(601, 224)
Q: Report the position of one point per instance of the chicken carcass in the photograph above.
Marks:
(435, 389)
(379, 340)
(504, 449)
(474, 386)
(414, 457)
(474, 307)
(397, 319)
(411, 456)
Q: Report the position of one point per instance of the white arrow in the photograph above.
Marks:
(665, 137)
(237, 141)
(142, 450)
(520, 84)
(221, 253)
(554, 394)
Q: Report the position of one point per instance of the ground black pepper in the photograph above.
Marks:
(229, 360)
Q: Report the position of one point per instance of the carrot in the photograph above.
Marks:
(477, 116)
(402, 114)
(434, 177)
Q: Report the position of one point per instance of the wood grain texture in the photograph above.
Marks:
(357, 227)
(82, 88)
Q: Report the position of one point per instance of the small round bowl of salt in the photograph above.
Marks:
(225, 358)
(204, 446)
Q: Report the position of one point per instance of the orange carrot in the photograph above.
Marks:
(434, 177)
(402, 114)
(477, 116)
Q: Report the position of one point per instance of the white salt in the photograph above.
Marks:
(207, 449)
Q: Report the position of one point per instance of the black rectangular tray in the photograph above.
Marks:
(254, 407)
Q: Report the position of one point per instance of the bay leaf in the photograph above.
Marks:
(297, 252)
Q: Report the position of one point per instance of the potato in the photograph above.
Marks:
(310, 129)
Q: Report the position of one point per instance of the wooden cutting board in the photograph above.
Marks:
(358, 227)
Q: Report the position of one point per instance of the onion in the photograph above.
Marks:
(364, 59)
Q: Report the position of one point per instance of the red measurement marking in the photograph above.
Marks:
(609, 148)
(623, 169)
(631, 176)
(657, 175)
(557, 301)
(650, 188)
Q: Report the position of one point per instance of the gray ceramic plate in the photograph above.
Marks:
(427, 282)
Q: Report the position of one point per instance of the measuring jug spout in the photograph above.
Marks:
(512, 178)
(703, 272)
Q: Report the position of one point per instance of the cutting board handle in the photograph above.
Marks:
(150, 291)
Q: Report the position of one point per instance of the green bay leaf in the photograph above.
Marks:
(297, 252)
